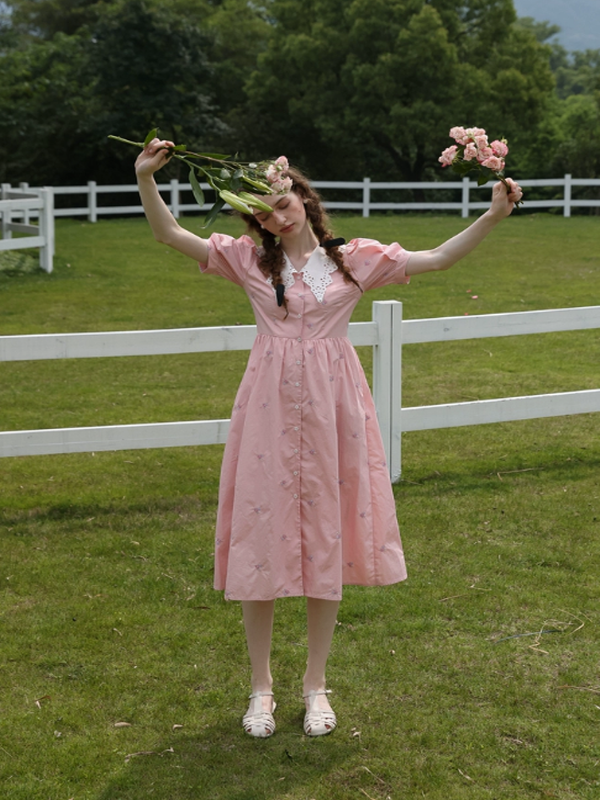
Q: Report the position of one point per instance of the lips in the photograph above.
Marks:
(287, 228)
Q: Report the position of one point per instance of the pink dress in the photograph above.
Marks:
(305, 500)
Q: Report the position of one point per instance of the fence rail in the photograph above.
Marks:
(173, 192)
(387, 333)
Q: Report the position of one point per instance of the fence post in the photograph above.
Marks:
(92, 202)
(175, 198)
(6, 215)
(366, 196)
(465, 197)
(387, 379)
(26, 213)
(568, 188)
(46, 225)
(396, 393)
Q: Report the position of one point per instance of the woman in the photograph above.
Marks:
(305, 502)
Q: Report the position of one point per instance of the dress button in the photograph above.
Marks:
(299, 315)
(295, 497)
(298, 363)
(296, 428)
(295, 451)
(295, 472)
(297, 383)
(296, 407)
(299, 339)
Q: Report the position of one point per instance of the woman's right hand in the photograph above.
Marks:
(154, 156)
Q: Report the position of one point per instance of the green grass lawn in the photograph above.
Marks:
(123, 676)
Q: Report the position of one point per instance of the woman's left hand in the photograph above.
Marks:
(503, 201)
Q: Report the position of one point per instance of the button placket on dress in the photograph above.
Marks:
(295, 440)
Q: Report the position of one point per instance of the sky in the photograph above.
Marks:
(579, 20)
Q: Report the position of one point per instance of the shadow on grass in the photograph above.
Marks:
(61, 511)
(567, 468)
(222, 763)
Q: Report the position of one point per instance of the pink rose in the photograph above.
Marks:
(272, 173)
(448, 156)
(481, 142)
(494, 163)
(281, 185)
(500, 149)
(282, 162)
(459, 135)
(475, 132)
(483, 153)
(470, 152)
(515, 190)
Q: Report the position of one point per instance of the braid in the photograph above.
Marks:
(271, 261)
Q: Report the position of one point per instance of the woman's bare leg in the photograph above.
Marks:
(258, 622)
(321, 617)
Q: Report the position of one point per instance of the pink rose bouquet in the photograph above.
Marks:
(473, 152)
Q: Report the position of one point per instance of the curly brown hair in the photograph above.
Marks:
(272, 261)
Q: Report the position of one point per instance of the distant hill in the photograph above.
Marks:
(578, 19)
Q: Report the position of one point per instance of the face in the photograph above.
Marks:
(288, 217)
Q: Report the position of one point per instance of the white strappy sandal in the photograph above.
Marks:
(257, 722)
(316, 721)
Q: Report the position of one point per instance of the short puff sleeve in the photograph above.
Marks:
(374, 264)
(230, 258)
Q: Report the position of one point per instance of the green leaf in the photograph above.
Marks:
(196, 189)
(213, 213)
(151, 135)
(482, 179)
(213, 171)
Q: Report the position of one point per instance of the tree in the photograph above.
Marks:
(134, 68)
(42, 104)
(43, 19)
(149, 68)
(373, 86)
(578, 152)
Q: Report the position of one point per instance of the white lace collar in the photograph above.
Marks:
(316, 273)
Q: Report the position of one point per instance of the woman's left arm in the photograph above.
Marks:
(448, 253)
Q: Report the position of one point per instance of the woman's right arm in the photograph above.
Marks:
(164, 226)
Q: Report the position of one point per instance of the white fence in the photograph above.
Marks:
(90, 195)
(387, 334)
(17, 207)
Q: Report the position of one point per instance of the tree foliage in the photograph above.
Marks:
(375, 85)
(346, 88)
(134, 68)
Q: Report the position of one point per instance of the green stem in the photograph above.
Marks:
(127, 141)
